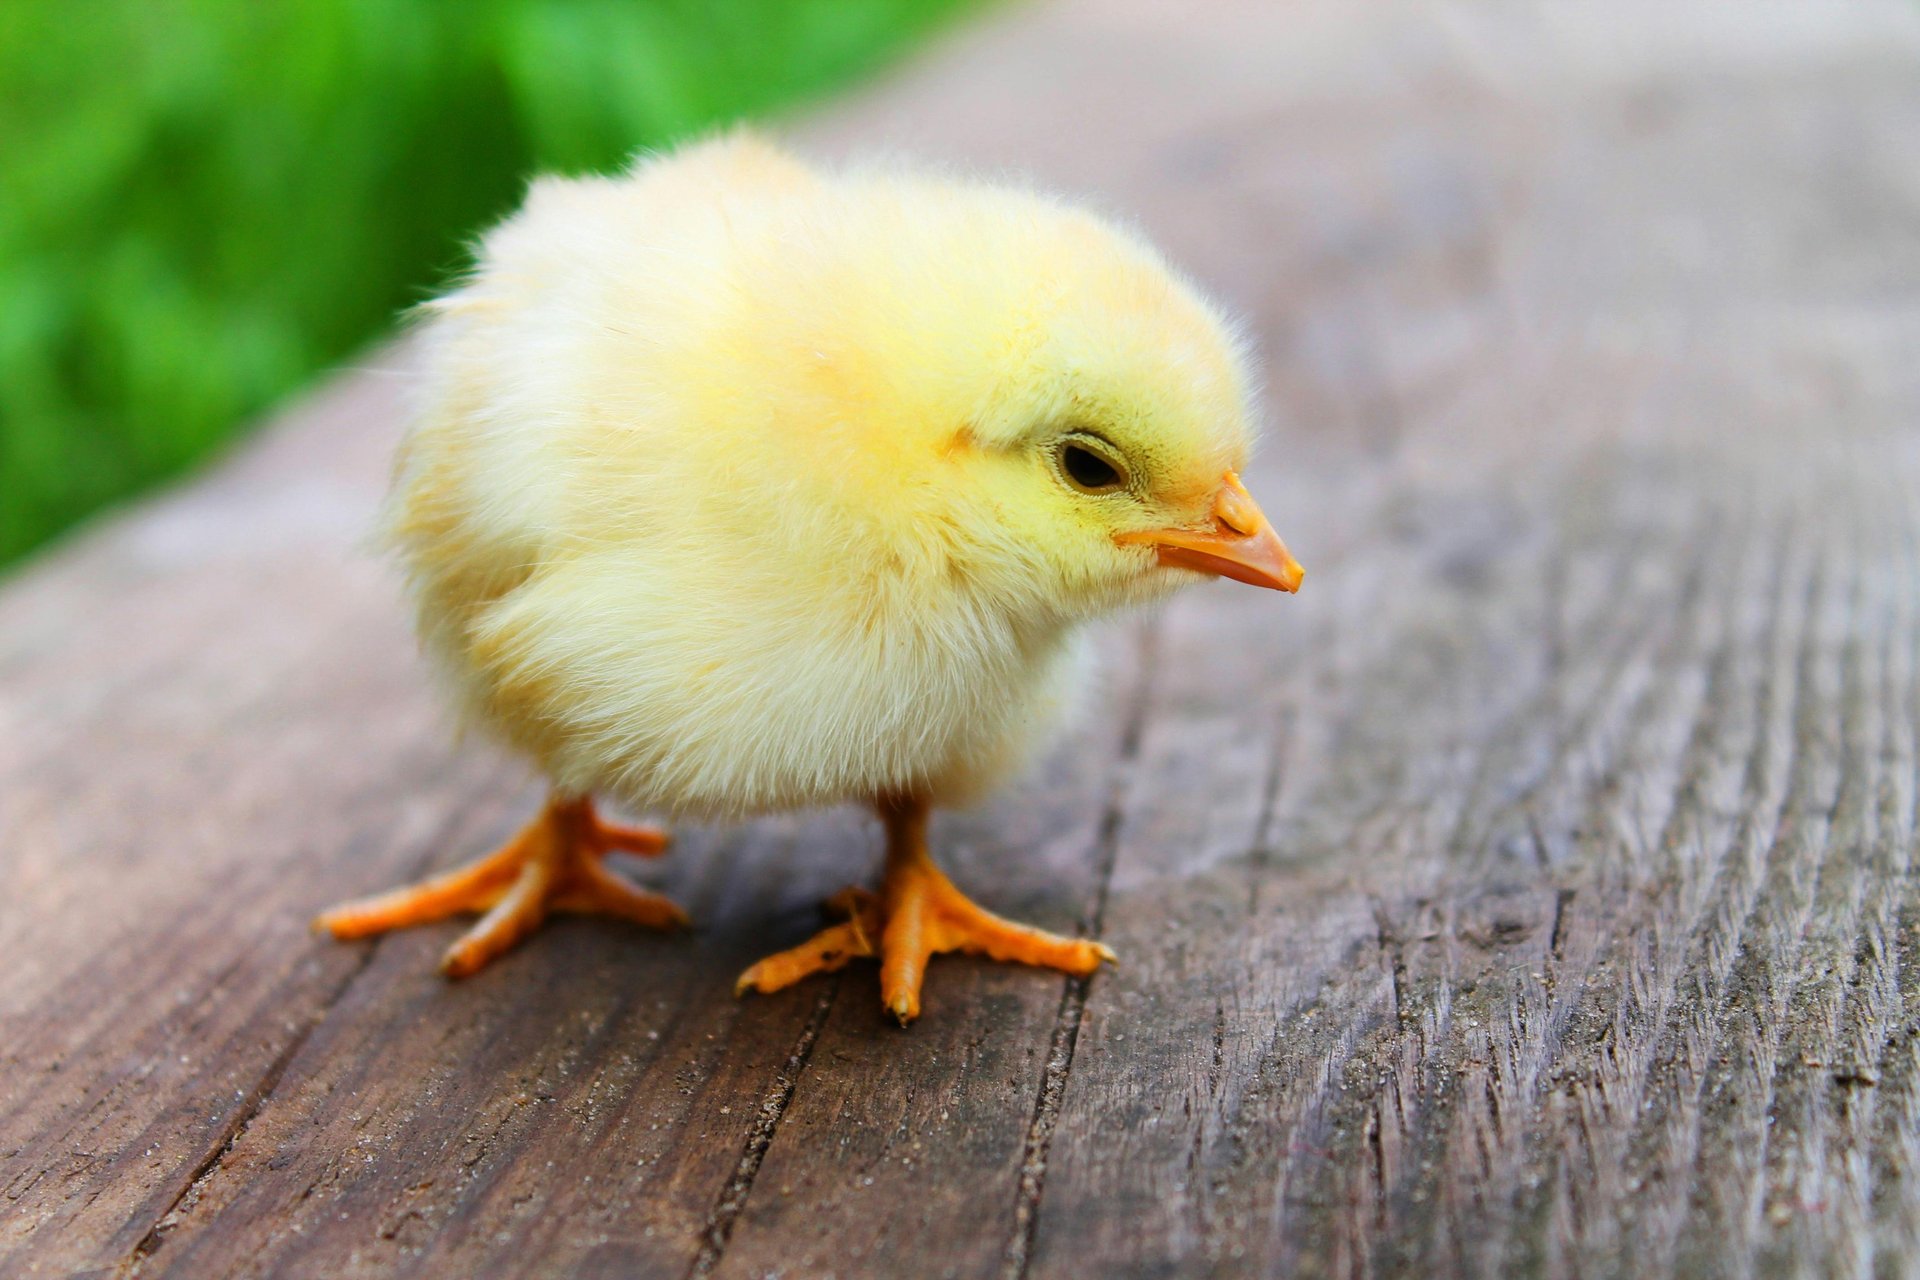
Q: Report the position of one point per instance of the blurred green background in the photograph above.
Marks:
(204, 203)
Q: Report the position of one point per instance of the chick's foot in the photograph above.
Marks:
(918, 914)
(552, 864)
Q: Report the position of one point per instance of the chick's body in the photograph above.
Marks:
(737, 485)
(671, 515)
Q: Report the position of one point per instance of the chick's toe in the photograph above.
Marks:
(824, 952)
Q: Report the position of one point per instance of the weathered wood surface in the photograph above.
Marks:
(1532, 895)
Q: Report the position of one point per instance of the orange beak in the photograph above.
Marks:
(1241, 544)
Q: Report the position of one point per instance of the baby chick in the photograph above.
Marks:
(740, 486)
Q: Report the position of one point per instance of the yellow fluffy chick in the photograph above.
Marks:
(740, 486)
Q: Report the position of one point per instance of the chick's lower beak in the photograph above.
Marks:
(1241, 544)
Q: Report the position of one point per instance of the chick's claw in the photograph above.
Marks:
(552, 864)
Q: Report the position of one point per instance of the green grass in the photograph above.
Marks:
(203, 203)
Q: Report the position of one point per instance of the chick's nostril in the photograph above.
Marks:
(1236, 511)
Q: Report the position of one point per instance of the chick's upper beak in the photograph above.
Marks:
(1241, 544)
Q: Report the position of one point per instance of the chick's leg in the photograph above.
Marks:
(917, 914)
(552, 864)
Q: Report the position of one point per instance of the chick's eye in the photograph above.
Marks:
(1088, 471)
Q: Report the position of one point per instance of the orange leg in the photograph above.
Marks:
(917, 914)
(552, 864)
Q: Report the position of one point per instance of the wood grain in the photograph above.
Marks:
(1533, 895)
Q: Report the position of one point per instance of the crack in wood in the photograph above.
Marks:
(208, 1167)
(203, 1172)
(719, 1225)
(1260, 857)
(1073, 998)
(1742, 1033)
(1445, 1056)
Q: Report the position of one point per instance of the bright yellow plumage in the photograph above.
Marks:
(741, 486)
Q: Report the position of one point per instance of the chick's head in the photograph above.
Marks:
(1057, 417)
(1118, 420)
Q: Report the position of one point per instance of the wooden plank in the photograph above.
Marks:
(1531, 896)
(1226, 1182)
(158, 971)
(1535, 901)
(584, 1103)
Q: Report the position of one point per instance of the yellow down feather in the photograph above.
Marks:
(738, 485)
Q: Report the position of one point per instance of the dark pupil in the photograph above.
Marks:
(1088, 469)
